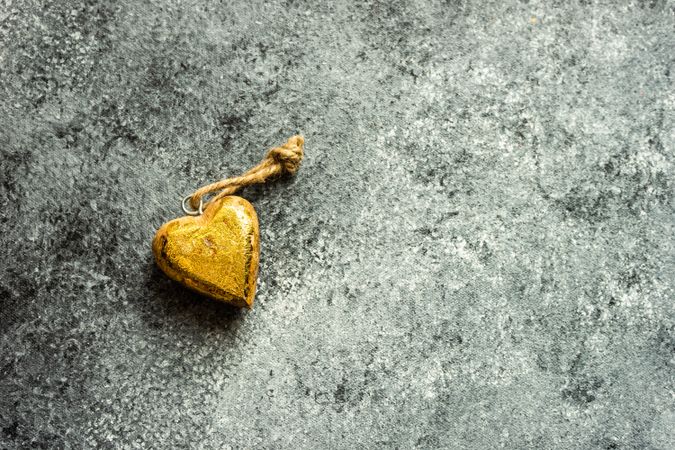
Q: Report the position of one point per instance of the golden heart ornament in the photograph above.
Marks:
(215, 253)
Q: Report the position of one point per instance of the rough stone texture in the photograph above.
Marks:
(477, 252)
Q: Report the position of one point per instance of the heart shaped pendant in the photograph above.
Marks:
(215, 253)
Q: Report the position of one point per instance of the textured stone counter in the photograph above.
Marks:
(476, 253)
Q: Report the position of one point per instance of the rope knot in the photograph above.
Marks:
(279, 161)
(288, 156)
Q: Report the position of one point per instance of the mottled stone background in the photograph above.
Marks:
(478, 251)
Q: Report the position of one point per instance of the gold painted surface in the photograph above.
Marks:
(216, 253)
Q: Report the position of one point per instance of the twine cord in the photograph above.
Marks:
(278, 161)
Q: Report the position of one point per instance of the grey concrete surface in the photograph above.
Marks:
(477, 253)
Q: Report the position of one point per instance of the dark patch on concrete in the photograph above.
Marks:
(582, 391)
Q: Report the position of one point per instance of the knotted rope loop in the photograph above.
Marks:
(278, 161)
(288, 158)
